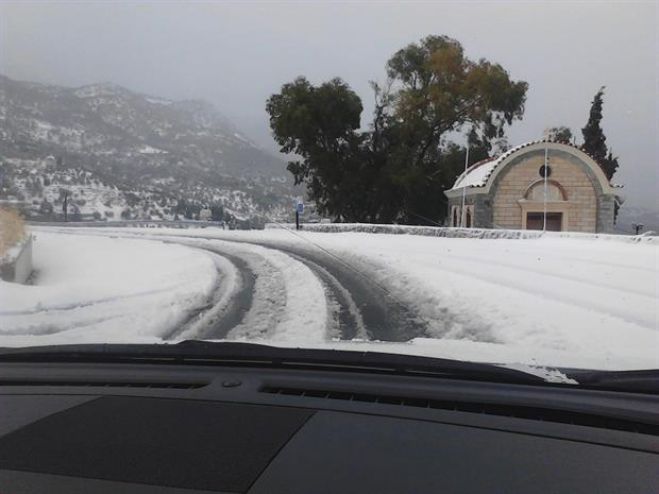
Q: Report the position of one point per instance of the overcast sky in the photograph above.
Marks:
(235, 54)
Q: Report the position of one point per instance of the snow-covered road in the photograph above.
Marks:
(546, 301)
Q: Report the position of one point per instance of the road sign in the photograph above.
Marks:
(299, 207)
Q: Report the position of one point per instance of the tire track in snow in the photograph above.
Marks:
(382, 317)
(344, 319)
(349, 320)
(304, 314)
(256, 299)
(231, 299)
(364, 309)
(280, 298)
(268, 299)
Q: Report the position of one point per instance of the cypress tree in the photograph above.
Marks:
(594, 139)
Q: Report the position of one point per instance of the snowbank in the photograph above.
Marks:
(450, 232)
(96, 289)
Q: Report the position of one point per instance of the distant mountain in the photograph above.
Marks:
(183, 150)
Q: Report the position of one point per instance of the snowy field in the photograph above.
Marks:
(550, 301)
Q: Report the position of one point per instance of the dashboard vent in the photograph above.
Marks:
(512, 411)
(103, 384)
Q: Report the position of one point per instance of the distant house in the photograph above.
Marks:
(49, 163)
(205, 214)
(510, 191)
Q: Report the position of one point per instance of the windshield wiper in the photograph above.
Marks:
(251, 354)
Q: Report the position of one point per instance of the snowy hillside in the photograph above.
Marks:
(590, 303)
(181, 150)
(39, 190)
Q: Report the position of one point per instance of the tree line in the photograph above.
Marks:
(434, 103)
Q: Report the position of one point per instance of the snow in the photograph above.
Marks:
(146, 149)
(478, 173)
(545, 300)
(289, 303)
(13, 252)
(94, 289)
(158, 101)
(304, 315)
(549, 375)
(474, 233)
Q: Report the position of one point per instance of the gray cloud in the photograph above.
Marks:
(235, 54)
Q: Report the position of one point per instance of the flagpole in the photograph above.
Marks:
(544, 173)
(464, 189)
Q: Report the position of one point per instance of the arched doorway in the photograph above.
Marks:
(545, 206)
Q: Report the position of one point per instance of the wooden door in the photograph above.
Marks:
(534, 221)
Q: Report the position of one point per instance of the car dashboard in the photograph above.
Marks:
(239, 428)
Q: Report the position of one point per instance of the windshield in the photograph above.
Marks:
(474, 182)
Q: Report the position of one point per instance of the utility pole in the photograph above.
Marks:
(464, 189)
(545, 172)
